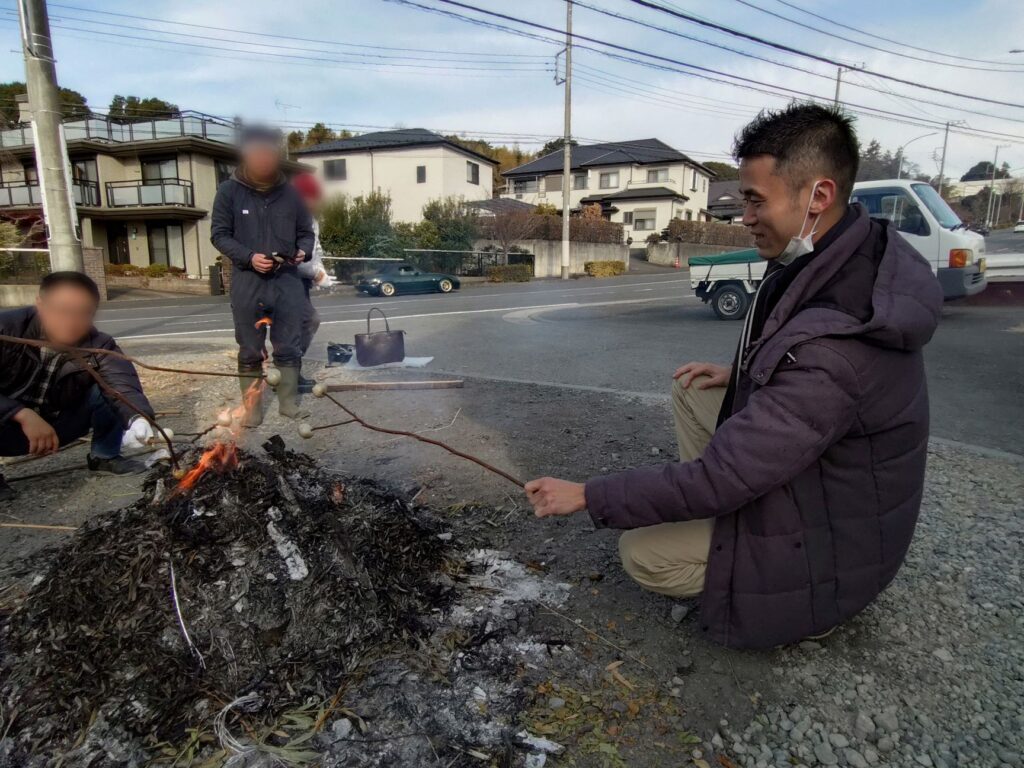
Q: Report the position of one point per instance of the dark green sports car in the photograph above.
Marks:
(400, 277)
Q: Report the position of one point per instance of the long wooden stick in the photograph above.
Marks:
(385, 385)
(431, 441)
(39, 527)
(127, 358)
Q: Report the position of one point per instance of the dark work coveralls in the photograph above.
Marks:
(248, 221)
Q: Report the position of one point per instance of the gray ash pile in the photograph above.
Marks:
(245, 611)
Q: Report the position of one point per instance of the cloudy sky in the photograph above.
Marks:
(362, 64)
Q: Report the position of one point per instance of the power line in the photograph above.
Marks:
(191, 35)
(795, 51)
(793, 67)
(743, 82)
(889, 39)
(904, 55)
(286, 37)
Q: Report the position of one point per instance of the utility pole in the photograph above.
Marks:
(839, 79)
(945, 143)
(942, 164)
(567, 145)
(992, 185)
(48, 135)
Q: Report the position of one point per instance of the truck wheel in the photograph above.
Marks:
(730, 302)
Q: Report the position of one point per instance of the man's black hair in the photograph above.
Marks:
(806, 140)
(75, 279)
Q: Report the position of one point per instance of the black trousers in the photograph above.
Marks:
(95, 413)
(310, 319)
(278, 297)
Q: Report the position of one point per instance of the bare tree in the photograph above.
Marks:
(511, 227)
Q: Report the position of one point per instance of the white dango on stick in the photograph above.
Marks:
(305, 431)
(273, 377)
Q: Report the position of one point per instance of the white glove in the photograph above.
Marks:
(138, 435)
(324, 281)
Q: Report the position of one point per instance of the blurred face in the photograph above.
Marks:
(772, 210)
(262, 160)
(66, 313)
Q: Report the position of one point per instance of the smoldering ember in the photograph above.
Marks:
(269, 612)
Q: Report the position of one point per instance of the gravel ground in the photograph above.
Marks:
(932, 674)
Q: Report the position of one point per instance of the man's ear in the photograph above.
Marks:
(824, 197)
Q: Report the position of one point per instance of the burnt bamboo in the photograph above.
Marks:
(127, 358)
(386, 385)
(428, 440)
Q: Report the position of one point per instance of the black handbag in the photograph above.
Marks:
(381, 347)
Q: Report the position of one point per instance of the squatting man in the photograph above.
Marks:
(48, 400)
(802, 464)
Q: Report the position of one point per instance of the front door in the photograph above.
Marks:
(117, 237)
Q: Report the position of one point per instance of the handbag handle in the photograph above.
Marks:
(387, 327)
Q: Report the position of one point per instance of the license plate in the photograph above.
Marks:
(981, 265)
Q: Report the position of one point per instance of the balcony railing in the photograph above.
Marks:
(117, 131)
(20, 194)
(124, 194)
(86, 193)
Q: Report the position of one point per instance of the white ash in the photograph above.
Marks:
(286, 548)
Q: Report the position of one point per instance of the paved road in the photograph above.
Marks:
(620, 335)
(1005, 241)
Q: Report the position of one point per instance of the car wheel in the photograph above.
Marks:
(387, 289)
(730, 302)
(445, 286)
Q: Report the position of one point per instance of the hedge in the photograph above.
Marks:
(604, 268)
(513, 273)
(708, 233)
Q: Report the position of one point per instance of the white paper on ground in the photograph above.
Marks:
(409, 362)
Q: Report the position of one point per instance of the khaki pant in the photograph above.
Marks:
(671, 558)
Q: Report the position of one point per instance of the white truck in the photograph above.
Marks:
(727, 281)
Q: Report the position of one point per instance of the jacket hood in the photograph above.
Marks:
(905, 298)
(240, 176)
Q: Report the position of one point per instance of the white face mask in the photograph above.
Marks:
(802, 244)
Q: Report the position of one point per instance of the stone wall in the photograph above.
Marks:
(93, 258)
(165, 284)
(547, 255)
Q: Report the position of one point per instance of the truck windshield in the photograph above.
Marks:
(940, 210)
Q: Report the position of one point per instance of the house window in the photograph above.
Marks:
(84, 170)
(703, 184)
(472, 172)
(608, 180)
(158, 170)
(693, 187)
(553, 183)
(644, 221)
(166, 245)
(334, 170)
(224, 169)
(657, 174)
(579, 181)
(421, 174)
(520, 186)
(627, 217)
(689, 215)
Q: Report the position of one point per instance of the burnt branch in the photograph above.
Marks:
(402, 433)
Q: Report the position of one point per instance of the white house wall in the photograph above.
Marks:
(394, 172)
(680, 179)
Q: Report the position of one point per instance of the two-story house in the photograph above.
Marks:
(143, 189)
(411, 165)
(640, 184)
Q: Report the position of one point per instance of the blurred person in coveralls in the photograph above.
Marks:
(313, 272)
(48, 401)
(802, 464)
(261, 224)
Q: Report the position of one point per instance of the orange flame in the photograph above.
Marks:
(263, 321)
(222, 456)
